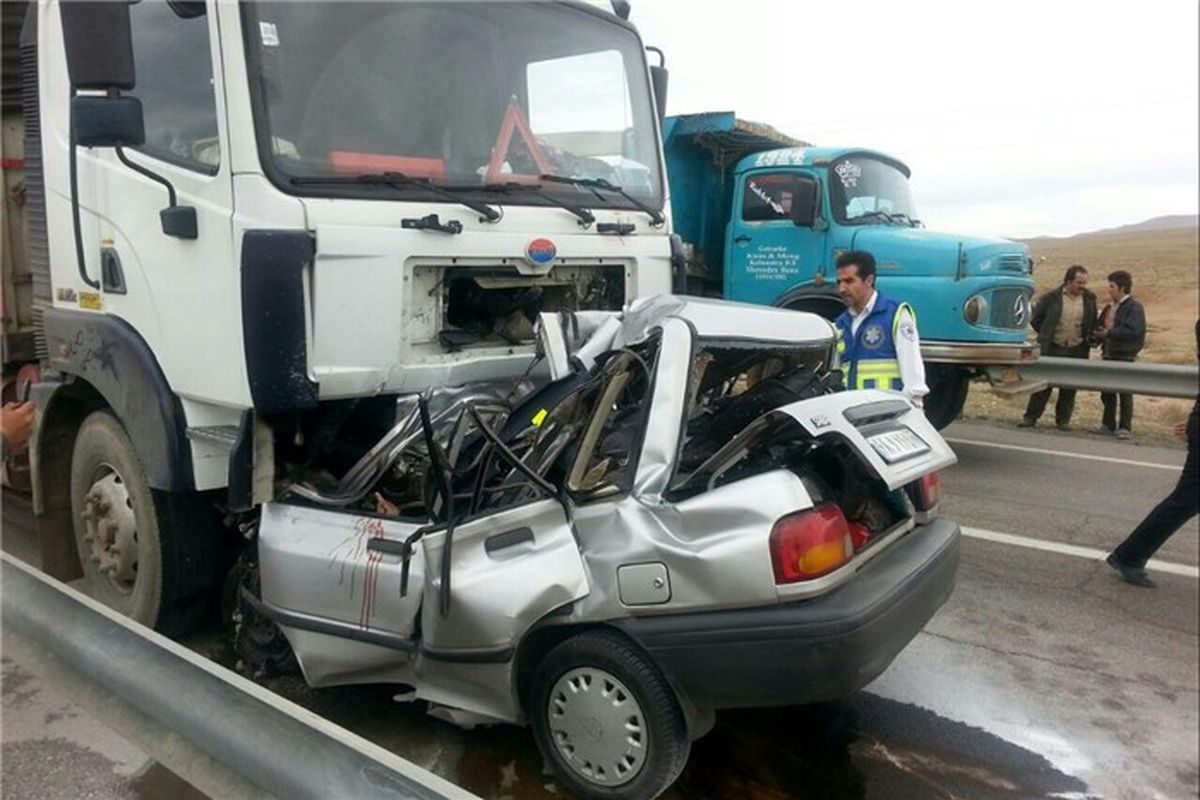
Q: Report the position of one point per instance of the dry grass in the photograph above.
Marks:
(1166, 278)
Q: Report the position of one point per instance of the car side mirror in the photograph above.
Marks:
(804, 204)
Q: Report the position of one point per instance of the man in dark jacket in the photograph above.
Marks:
(1064, 319)
(1121, 333)
(1130, 557)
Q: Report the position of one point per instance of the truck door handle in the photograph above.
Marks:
(741, 238)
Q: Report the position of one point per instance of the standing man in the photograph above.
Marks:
(1064, 320)
(1130, 557)
(1122, 333)
(877, 336)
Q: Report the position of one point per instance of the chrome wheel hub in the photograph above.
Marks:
(597, 726)
(111, 529)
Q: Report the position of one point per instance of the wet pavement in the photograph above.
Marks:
(1043, 677)
(52, 749)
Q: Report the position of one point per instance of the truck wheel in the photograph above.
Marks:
(607, 719)
(140, 550)
(822, 302)
(948, 387)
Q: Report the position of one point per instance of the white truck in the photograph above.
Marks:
(290, 214)
(363, 311)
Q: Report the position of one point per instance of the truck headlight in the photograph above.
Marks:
(976, 310)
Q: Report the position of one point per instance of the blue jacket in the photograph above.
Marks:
(869, 359)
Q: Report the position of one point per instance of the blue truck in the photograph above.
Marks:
(764, 216)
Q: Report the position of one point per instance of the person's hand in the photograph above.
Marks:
(16, 421)
(385, 507)
(1180, 430)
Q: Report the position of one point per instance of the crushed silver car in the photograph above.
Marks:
(688, 514)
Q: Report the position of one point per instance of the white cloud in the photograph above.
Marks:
(1019, 118)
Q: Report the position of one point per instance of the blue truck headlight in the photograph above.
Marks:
(976, 310)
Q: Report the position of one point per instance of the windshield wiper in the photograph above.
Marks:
(400, 180)
(656, 217)
(905, 218)
(886, 217)
(586, 217)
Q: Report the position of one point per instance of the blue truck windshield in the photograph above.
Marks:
(458, 94)
(868, 190)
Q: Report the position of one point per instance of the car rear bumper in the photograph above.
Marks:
(818, 649)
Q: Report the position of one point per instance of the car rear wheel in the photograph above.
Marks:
(607, 720)
(144, 554)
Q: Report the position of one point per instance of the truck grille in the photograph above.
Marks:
(1010, 308)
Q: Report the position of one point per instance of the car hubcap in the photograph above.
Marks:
(111, 529)
(597, 726)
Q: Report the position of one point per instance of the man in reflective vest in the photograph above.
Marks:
(877, 336)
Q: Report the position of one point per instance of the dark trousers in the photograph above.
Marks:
(1112, 400)
(1178, 507)
(1065, 405)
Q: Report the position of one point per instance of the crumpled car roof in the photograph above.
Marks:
(721, 319)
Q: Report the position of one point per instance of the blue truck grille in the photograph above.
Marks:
(1010, 308)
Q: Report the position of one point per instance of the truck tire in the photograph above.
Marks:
(822, 301)
(948, 388)
(607, 720)
(145, 554)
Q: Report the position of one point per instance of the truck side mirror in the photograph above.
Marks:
(659, 78)
(107, 121)
(99, 44)
(804, 203)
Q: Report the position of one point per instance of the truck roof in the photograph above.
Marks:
(748, 145)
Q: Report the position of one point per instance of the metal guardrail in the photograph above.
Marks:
(224, 734)
(1162, 380)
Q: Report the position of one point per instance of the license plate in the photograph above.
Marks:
(898, 445)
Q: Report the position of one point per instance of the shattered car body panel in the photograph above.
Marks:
(644, 481)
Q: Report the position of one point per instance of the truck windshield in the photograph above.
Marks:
(868, 190)
(458, 94)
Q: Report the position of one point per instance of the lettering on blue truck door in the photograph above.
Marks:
(768, 252)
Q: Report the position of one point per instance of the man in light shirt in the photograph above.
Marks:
(1064, 319)
(878, 338)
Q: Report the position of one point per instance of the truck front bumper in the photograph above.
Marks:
(814, 650)
(979, 354)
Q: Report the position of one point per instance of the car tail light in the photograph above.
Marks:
(810, 544)
(926, 492)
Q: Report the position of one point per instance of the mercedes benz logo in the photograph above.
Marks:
(1020, 311)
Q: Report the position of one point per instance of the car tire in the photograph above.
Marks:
(607, 720)
(149, 555)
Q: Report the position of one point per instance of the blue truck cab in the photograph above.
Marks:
(764, 217)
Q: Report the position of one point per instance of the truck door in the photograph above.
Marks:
(770, 242)
(180, 294)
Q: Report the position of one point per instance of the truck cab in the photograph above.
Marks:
(251, 224)
(768, 226)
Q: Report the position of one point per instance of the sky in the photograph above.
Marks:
(1018, 118)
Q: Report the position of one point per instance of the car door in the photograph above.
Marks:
(507, 570)
(767, 252)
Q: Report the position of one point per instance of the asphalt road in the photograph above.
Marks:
(1044, 676)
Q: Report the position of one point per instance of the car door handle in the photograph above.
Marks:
(507, 539)
(741, 239)
(392, 547)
